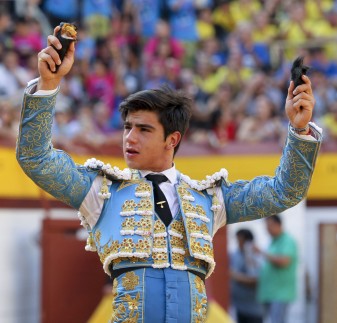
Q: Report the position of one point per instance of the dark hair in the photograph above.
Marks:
(172, 107)
(275, 218)
(246, 234)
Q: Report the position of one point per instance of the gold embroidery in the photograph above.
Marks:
(145, 224)
(129, 206)
(177, 242)
(125, 184)
(132, 319)
(188, 207)
(200, 210)
(159, 242)
(117, 311)
(98, 235)
(200, 308)
(129, 224)
(127, 245)
(199, 263)
(178, 259)
(160, 258)
(133, 303)
(143, 246)
(143, 187)
(192, 226)
(159, 227)
(107, 250)
(130, 280)
(199, 284)
(145, 204)
(178, 226)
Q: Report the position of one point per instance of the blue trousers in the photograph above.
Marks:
(277, 311)
(150, 295)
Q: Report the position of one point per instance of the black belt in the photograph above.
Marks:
(117, 272)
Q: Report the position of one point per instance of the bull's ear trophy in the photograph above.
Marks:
(66, 35)
(297, 70)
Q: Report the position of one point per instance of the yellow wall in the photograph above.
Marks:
(15, 184)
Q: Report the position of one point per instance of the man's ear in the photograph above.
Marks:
(173, 140)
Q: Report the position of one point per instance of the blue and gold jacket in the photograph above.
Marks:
(128, 232)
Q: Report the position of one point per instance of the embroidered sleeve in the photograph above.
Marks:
(52, 170)
(265, 195)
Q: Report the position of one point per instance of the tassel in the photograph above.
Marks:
(215, 202)
(104, 192)
(90, 243)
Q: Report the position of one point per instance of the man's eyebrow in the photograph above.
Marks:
(139, 125)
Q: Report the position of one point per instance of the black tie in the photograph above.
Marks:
(161, 206)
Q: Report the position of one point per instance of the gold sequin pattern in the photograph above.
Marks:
(145, 204)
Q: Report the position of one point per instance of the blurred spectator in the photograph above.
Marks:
(61, 10)
(123, 33)
(183, 21)
(234, 71)
(254, 55)
(132, 73)
(27, 38)
(65, 127)
(264, 31)
(205, 25)
(207, 77)
(95, 135)
(325, 93)
(162, 34)
(5, 28)
(264, 125)
(222, 19)
(244, 270)
(147, 13)
(31, 66)
(329, 123)
(9, 123)
(13, 77)
(30, 9)
(156, 77)
(317, 59)
(277, 279)
(85, 47)
(226, 125)
(296, 29)
(210, 49)
(258, 84)
(105, 135)
(244, 10)
(96, 16)
(99, 83)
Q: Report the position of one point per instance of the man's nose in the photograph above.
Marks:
(131, 135)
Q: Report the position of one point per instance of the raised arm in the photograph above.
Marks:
(53, 170)
(266, 195)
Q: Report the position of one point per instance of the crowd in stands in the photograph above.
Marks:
(233, 57)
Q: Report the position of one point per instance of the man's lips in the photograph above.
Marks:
(131, 151)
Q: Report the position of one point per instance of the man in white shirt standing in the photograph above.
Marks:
(152, 226)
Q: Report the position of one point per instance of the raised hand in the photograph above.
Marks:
(48, 59)
(300, 103)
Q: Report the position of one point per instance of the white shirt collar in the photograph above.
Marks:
(170, 173)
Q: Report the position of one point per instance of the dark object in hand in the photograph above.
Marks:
(66, 35)
(297, 70)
